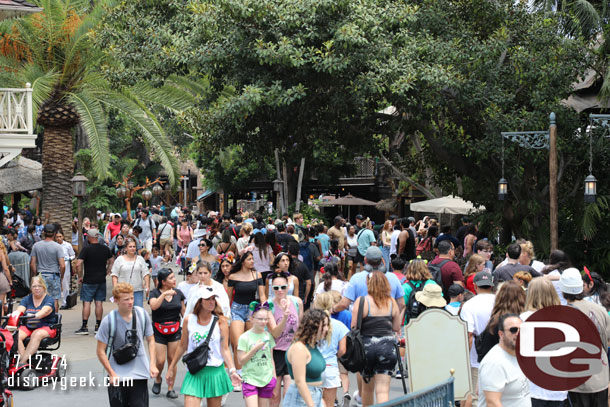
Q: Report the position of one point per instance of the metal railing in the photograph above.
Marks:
(440, 395)
(365, 167)
(16, 110)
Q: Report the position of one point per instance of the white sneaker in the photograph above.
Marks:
(357, 398)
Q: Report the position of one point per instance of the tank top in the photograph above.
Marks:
(285, 339)
(314, 369)
(185, 235)
(198, 333)
(352, 245)
(377, 325)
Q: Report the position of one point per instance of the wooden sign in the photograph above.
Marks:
(437, 342)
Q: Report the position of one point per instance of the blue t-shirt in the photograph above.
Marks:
(345, 317)
(365, 239)
(324, 242)
(357, 286)
(329, 350)
(28, 303)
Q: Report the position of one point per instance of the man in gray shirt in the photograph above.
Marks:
(149, 233)
(129, 381)
(48, 260)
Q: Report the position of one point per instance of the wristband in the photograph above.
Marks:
(232, 370)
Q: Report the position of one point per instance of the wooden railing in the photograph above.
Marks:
(16, 122)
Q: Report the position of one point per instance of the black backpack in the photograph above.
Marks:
(354, 359)
(413, 307)
(437, 275)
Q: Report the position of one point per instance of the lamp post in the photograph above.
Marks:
(277, 188)
(591, 181)
(126, 188)
(538, 140)
(79, 190)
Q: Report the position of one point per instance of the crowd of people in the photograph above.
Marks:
(274, 300)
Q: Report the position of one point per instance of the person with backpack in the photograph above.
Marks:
(417, 276)
(444, 270)
(476, 312)
(365, 239)
(115, 332)
(381, 317)
(148, 236)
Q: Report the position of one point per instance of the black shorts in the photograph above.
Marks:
(380, 355)
(165, 339)
(132, 396)
(359, 258)
(279, 358)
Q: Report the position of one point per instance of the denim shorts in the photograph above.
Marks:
(93, 292)
(53, 284)
(293, 398)
(239, 312)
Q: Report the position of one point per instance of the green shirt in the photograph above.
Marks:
(258, 371)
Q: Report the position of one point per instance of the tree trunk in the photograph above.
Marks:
(57, 170)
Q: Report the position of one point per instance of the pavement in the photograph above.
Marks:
(83, 384)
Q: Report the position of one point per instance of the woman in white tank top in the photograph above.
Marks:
(211, 382)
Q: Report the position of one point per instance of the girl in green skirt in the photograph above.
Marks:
(211, 382)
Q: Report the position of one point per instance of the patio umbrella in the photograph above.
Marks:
(447, 204)
(349, 201)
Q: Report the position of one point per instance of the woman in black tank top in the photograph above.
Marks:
(380, 319)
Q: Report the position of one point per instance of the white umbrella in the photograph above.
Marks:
(448, 204)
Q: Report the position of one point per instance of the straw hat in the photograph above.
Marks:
(431, 296)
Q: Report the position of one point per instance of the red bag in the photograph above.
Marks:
(167, 328)
(424, 246)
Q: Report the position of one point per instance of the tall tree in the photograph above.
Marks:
(54, 51)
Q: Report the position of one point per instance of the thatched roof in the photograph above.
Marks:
(20, 175)
(387, 205)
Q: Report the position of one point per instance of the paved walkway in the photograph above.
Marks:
(83, 383)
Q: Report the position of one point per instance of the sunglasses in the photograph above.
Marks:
(513, 330)
(279, 287)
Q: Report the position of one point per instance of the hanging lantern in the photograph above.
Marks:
(502, 189)
(146, 194)
(130, 184)
(121, 192)
(590, 189)
(157, 190)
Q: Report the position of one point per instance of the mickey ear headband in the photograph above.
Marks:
(256, 306)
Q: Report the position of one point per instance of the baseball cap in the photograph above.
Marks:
(373, 253)
(455, 290)
(359, 217)
(570, 281)
(93, 233)
(49, 228)
(483, 279)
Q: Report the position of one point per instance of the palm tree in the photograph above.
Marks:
(54, 51)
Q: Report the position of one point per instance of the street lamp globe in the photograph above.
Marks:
(502, 189)
(147, 195)
(157, 190)
(590, 189)
(121, 192)
(130, 184)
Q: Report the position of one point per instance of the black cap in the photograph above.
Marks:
(359, 217)
(49, 228)
(455, 290)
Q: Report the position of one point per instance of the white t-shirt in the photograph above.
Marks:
(537, 392)
(394, 241)
(335, 285)
(500, 372)
(476, 313)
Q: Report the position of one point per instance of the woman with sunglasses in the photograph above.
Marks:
(283, 263)
(204, 255)
(287, 312)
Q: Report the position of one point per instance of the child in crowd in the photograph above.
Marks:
(398, 265)
(254, 354)
(456, 295)
(155, 263)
